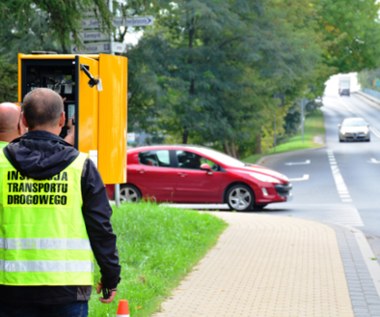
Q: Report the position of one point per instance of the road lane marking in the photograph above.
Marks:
(338, 178)
(374, 161)
(375, 131)
(298, 163)
(305, 177)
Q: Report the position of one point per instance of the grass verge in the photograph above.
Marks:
(313, 137)
(157, 249)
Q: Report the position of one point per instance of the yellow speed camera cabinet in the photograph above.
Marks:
(94, 89)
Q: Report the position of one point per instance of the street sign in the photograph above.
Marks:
(93, 35)
(90, 23)
(118, 47)
(135, 21)
(93, 48)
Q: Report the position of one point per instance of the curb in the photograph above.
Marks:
(368, 256)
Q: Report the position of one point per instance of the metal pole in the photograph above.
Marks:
(117, 195)
(110, 6)
(303, 102)
(275, 131)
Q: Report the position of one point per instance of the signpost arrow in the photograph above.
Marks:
(90, 23)
(135, 21)
(93, 35)
(93, 48)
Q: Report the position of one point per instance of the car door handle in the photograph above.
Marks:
(142, 171)
(182, 174)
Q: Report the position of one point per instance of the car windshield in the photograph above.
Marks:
(354, 123)
(221, 157)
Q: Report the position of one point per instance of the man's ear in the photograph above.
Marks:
(21, 129)
(62, 119)
(23, 120)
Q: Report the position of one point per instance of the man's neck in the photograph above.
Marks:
(53, 130)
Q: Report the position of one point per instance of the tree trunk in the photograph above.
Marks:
(185, 136)
(258, 149)
(230, 148)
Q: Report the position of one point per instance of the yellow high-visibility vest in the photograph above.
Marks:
(43, 238)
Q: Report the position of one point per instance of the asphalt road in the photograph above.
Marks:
(338, 183)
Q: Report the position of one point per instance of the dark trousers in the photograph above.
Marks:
(77, 309)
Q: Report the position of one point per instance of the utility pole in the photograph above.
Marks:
(303, 104)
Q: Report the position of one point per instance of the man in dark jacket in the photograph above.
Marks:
(41, 159)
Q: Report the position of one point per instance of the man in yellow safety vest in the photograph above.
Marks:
(54, 219)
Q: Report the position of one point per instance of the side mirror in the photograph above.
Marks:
(206, 167)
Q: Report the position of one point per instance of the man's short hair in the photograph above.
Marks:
(42, 106)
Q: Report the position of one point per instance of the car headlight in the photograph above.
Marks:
(265, 178)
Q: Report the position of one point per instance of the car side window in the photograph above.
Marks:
(163, 158)
(155, 158)
(188, 160)
(148, 158)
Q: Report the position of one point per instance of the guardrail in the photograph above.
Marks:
(369, 94)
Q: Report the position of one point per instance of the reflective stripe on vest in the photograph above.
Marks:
(47, 244)
(46, 266)
(43, 238)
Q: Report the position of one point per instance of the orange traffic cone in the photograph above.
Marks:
(123, 308)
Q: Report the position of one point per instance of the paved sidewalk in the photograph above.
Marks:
(270, 266)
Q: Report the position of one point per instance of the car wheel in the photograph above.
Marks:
(240, 198)
(129, 193)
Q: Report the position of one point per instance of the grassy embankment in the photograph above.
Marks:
(313, 137)
(158, 245)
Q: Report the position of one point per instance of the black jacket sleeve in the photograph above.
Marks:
(97, 213)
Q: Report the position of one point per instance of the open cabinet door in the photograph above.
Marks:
(113, 118)
(87, 72)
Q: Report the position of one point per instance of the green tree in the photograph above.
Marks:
(30, 23)
(40, 25)
(219, 66)
(351, 33)
(221, 73)
(8, 81)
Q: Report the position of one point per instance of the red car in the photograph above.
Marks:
(195, 174)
